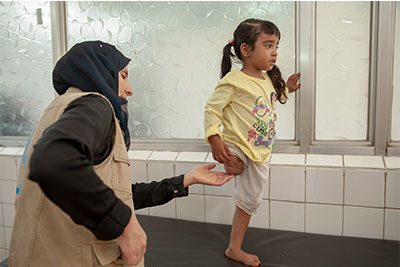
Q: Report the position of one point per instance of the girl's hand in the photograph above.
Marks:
(292, 84)
(219, 150)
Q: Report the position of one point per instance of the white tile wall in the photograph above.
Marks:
(287, 183)
(8, 168)
(160, 170)
(363, 222)
(3, 254)
(224, 190)
(8, 191)
(287, 216)
(191, 208)
(324, 219)
(9, 214)
(184, 167)
(392, 224)
(393, 189)
(167, 210)
(324, 185)
(365, 188)
(8, 231)
(307, 193)
(261, 218)
(2, 238)
(138, 171)
(219, 209)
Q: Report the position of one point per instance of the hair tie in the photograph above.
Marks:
(232, 42)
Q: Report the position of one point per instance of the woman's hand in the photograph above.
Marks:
(292, 82)
(202, 175)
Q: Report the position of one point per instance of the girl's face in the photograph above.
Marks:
(265, 54)
(124, 89)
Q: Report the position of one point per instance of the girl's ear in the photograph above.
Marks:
(244, 49)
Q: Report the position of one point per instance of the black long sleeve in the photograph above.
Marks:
(158, 193)
(62, 163)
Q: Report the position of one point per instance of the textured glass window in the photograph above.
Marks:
(342, 70)
(176, 50)
(25, 65)
(396, 80)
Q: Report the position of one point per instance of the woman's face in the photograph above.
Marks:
(124, 89)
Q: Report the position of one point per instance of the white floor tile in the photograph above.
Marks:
(10, 151)
(287, 216)
(363, 222)
(192, 156)
(393, 189)
(261, 218)
(324, 219)
(287, 183)
(167, 210)
(324, 160)
(324, 185)
(191, 208)
(364, 187)
(392, 224)
(139, 154)
(392, 162)
(219, 209)
(363, 161)
(287, 159)
(163, 155)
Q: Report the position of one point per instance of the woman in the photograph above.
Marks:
(74, 198)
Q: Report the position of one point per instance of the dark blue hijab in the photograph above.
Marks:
(93, 66)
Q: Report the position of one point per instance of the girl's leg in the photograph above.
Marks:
(234, 251)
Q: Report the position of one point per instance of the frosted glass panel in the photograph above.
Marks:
(176, 49)
(342, 70)
(396, 80)
(25, 65)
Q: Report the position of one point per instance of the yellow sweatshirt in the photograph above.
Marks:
(246, 107)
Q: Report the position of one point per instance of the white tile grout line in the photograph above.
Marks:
(343, 187)
(384, 204)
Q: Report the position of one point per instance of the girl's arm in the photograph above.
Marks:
(292, 82)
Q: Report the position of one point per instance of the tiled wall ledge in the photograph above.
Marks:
(328, 194)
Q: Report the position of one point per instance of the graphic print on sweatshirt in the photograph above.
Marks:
(263, 130)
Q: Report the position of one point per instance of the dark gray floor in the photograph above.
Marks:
(183, 243)
(174, 243)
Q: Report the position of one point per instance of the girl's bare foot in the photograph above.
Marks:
(234, 166)
(243, 257)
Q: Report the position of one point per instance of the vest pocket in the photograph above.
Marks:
(107, 253)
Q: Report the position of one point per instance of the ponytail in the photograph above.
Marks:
(226, 64)
(279, 84)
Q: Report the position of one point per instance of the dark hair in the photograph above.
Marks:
(247, 32)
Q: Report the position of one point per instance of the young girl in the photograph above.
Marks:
(244, 101)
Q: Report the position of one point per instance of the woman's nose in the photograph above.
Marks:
(129, 91)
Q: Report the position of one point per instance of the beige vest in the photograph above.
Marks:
(44, 235)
